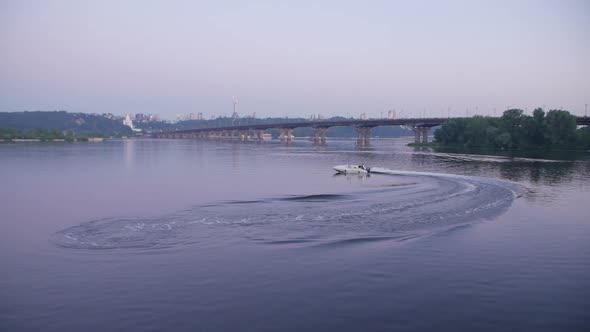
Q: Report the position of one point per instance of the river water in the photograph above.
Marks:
(188, 235)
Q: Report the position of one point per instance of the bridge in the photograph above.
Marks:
(421, 127)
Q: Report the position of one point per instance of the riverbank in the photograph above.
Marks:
(33, 140)
(424, 145)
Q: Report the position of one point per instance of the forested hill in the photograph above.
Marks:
(79, 123)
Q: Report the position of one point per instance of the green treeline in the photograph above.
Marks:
(514, 130)
(8, 134)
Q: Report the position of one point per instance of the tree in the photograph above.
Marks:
(514, 130)
(511, 121)
(538, 129)
(560, 128)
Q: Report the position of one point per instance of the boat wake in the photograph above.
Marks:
(424, 204)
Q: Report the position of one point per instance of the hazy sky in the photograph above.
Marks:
(294, 59)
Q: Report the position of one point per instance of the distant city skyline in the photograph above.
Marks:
(333, 58)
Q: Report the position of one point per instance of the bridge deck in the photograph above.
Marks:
(413, 122)
(426, 122)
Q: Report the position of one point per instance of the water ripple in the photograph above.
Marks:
(425, 202)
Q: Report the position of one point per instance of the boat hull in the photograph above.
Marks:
(350, 169)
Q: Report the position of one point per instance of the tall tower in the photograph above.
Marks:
(235, 102)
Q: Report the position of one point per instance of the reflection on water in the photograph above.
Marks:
(539, 154)
(129, 151)
(539, 173)
(219, 236)
(536, 168)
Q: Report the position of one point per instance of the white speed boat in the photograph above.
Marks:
(352, 169)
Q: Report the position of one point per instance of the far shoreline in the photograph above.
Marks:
(55, 140)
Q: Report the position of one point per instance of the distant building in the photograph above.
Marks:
(129, 123)
(185, 117)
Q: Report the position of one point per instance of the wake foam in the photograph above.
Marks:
(426, 201)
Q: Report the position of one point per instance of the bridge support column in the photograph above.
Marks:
(417, 131)
(282, 134)
(286, 134)
(425, 132)
(243, 135)
(363, 135)
(259, 135)
(319, 134)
